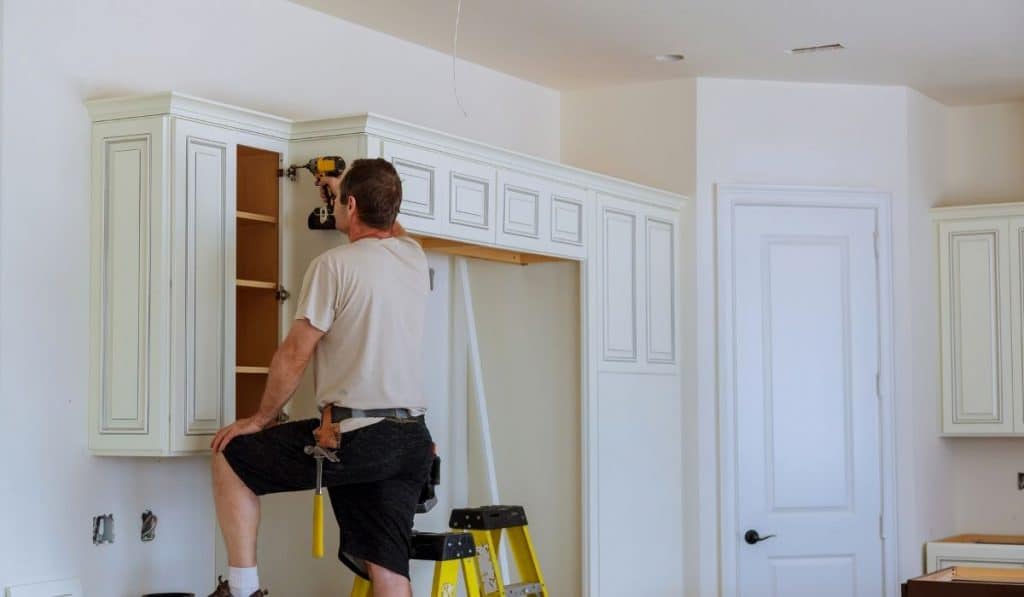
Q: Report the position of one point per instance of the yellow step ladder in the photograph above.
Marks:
(449, 551)
(486, 525)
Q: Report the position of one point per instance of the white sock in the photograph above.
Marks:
(243, 581)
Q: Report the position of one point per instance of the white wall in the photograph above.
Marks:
(985, 164)
(643, 132)
(263, 55)
(927, 504)
(528, 324)
(985, 154)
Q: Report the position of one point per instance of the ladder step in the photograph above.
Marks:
(488, 518)
(523, 589)
(440, 547)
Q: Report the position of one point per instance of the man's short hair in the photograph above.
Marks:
(378, 191)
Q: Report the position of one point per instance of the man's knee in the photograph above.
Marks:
(380, 575)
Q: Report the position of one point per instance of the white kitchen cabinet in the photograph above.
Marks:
(164, 283)
(984, 551)
(442, 194)
(980, 263)
(195, 233)
(541, 215)
(638, 281)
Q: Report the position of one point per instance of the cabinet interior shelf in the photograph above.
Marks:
(255, 217)
(255, 284)
(252, 370)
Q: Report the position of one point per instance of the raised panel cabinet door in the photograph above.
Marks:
(1017, 319)
(974, 281)
(471, 201)
(568, 221)
(523, 203)
(541, 215)
(660, 287)
(204, 166)
(425, 182)
(619, 228)
(128, 290)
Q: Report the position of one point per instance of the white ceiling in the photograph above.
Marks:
(957, 51)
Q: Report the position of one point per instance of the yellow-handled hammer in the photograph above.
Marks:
(318, 497)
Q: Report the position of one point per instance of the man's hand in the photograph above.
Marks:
(244, 426)
(329, 182)
(329, 438)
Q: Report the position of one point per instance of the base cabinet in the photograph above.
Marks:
(984, 551)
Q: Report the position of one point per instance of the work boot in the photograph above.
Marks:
(223, 590)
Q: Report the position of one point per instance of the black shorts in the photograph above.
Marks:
(374, 488)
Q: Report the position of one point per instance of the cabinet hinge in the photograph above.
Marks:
(876, 245)
(878, 385)
(881, 528)
(282, 294)
(280, 173)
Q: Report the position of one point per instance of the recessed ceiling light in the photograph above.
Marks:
(811, 49)
(669, 58)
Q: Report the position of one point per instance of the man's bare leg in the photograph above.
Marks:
(238, 512)
(387, 583)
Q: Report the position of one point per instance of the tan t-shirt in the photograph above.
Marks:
(369, 297)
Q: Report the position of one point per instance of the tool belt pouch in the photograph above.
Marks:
(428, 496)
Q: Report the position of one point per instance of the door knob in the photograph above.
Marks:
(752, 537)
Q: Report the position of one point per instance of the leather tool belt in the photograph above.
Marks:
(330, 438)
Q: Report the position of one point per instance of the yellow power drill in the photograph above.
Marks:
(322, 218)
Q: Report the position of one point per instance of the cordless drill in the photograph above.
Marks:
(322, 218)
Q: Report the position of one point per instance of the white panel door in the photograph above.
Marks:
(128, 287)
(974, 279)
(204, 283)
(424, 177)
(805, 311)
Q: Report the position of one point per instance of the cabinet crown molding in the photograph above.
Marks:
(960, 212)
(172, 103)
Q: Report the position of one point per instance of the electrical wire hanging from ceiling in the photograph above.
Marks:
(455, 53)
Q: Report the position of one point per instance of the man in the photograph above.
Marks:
(360, 319)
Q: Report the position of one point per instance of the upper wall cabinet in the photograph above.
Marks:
(197, 236)
(981, 258)
(638, 284)
(168, 214)
(538, 214)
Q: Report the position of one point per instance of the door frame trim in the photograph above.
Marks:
(727, 198)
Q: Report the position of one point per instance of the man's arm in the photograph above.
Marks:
(286, 369)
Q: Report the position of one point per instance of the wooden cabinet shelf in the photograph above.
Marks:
(252, 370)
(255, 217)
(255, 284)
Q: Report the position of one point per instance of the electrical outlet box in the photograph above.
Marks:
(103, 529)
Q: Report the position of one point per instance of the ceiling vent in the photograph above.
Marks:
(812, 49)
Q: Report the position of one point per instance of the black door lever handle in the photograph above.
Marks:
(752, 537)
